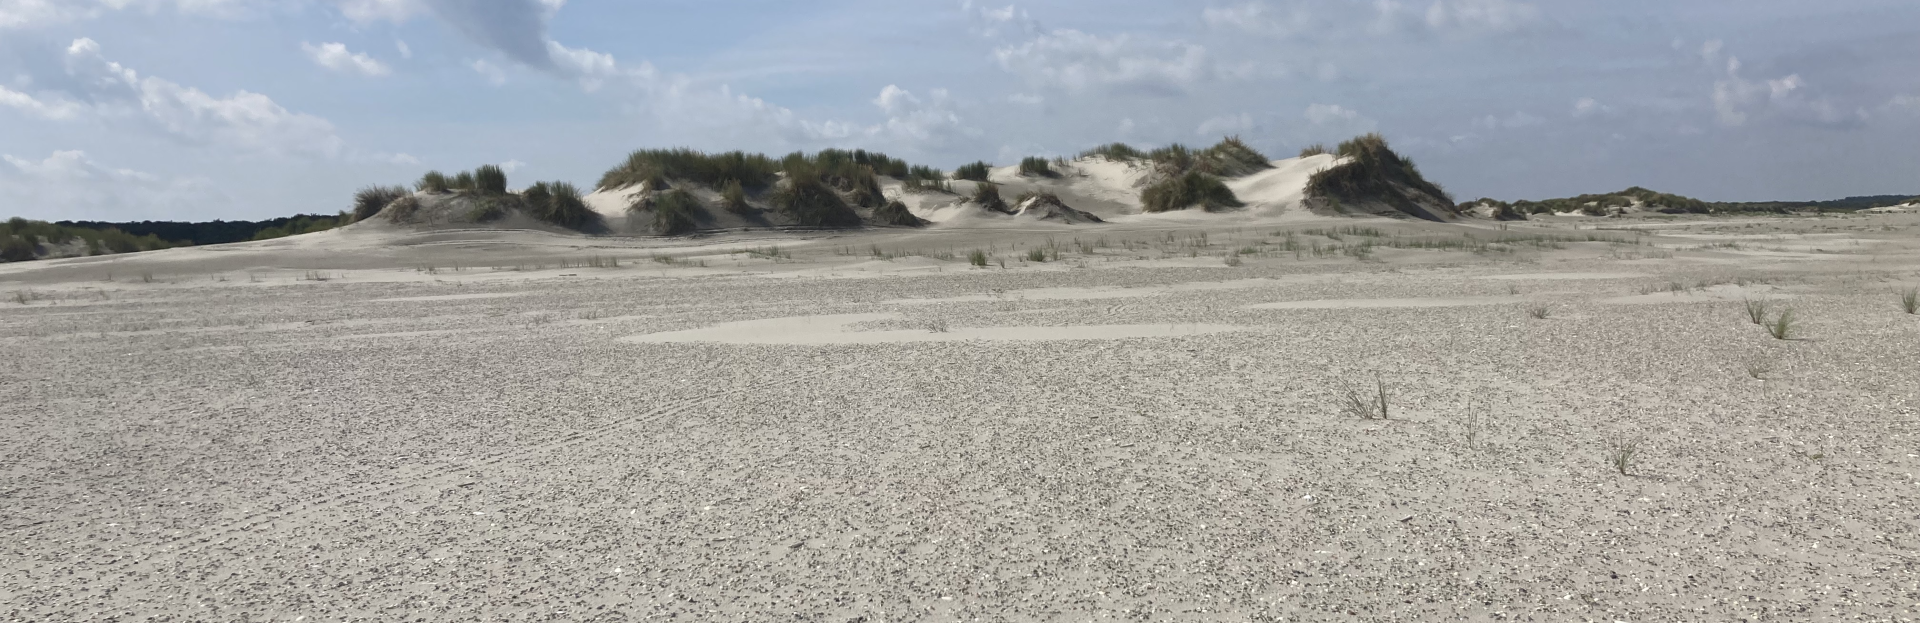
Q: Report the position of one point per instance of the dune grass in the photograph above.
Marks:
(1035, 166)
(1357, 401)
(1313, 150)
(977, 258)
(403, 210)
(1117, 152)
(463, 181)
(1757, 310)
(1539, 311)
(1783, 326)
(976, 171)
(987, 195)
(653, 166)
(1186, 190)
(1621, 453)
(433, 182)
(675, 213)
(896, 213)
(559, 203)
(1910, 301)
(490, 180)
(370, 200)
(733, 198)
(806, 198)
(1373, 165)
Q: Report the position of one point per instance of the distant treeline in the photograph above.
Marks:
(217, 232)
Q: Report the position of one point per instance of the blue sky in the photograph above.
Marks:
(201, 109)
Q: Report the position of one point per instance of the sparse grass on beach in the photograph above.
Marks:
(1358, 401)
(1539, 311)
(1783, 326)
(977, 258)
(1621, 453)
(1757, 310)
(1910, 301)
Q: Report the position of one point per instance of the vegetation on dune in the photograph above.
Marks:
(304, 224)
(653, 167)
(925, 174)
(402, 210)
(976, 171)
(806, 198)
(675, 213)
(1189, 189)
(1372, 170)
(558, 203)
(490, 180)
(370, 200)
(463, 181)
(23, 240)
(433, 182)
(1037, 167)
(896, 213)
(1117, 152)
(987, 195)
(733, 197)
(851, 172)
(1313, 150)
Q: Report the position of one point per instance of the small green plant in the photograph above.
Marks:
(1539, 311)
(1757, 310)
(1783, 326)
(1037, 255)
(733, 197)
(1356, 400)
(1621, 452)
(977, 258)
(490, 180)
(1910, 301)
(976, 171)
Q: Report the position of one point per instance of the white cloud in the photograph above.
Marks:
(991, 21)
(68, 184)
(335, 56)
(1907, 103)
(494, 75)
(108, 91)
(591, 68)
(1026, 99)
(1261, 18)
(23, 14)
(388, 158)
(1738, 100)
(1078, 61)
(1519, 119)
(1323, 114)
(1589, 107)
(511, 165)
(374, 10)
(405, 50)
(54, 110)
(1226, 124)
(1480, 16)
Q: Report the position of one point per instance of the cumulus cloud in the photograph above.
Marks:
(1322, 114)
(1079, 61)
(492, 73)
(335, 56)
(68, 184)
(1738, 100)
(1339, 19)
(98, 88)
(1262, 19)
(1589, 107)
(511, 165)
(1480, 16)
(1519, 119)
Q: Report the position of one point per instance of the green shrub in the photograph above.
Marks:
(17, 249)
(1373, 163)
(1117, 152)
(564, 207)
(733, 197)
(1189, 189)
(674, 213)
(654, 166)
(1035, 166)
(976, 171)
(433, 182)
(1231, 158)
(490, 180)
(370, 200)
(463, 181)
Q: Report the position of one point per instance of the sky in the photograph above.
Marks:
(247, 109)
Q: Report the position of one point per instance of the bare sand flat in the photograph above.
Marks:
(344, 428)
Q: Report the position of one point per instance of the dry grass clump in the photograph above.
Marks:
(733, 197)
(1757, 310)
(977, 258)
(1539, 311)
(1358, 401)
(1910, 301)
(370, 200)
(1783, 326)
(1621, 452)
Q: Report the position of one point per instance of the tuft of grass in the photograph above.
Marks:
(733, 197)
(559, 203)
(1910, 301)
(652, 167)
(1186, 190)
(490, 180)
(1783, 326)
(1117, 152)
(937, 325)
(1037, 255)
(1357, 401)
(1539, 311)
(1473, 423)
(370, 200)
(1621, 452)
(1313, 150)
(1373, 165)
(976, 171)
(1757, 310)
(463, 180)
(433, 182)
(809, 201)
(896, 213)
(987, 195)
(674, 213)
(977, 258)
(1037, 167)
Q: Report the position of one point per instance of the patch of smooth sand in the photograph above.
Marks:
(1097, 293)
(1564, 276)
(451, 297)
(1388, 303)
(1710, 294)
(832, 329)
